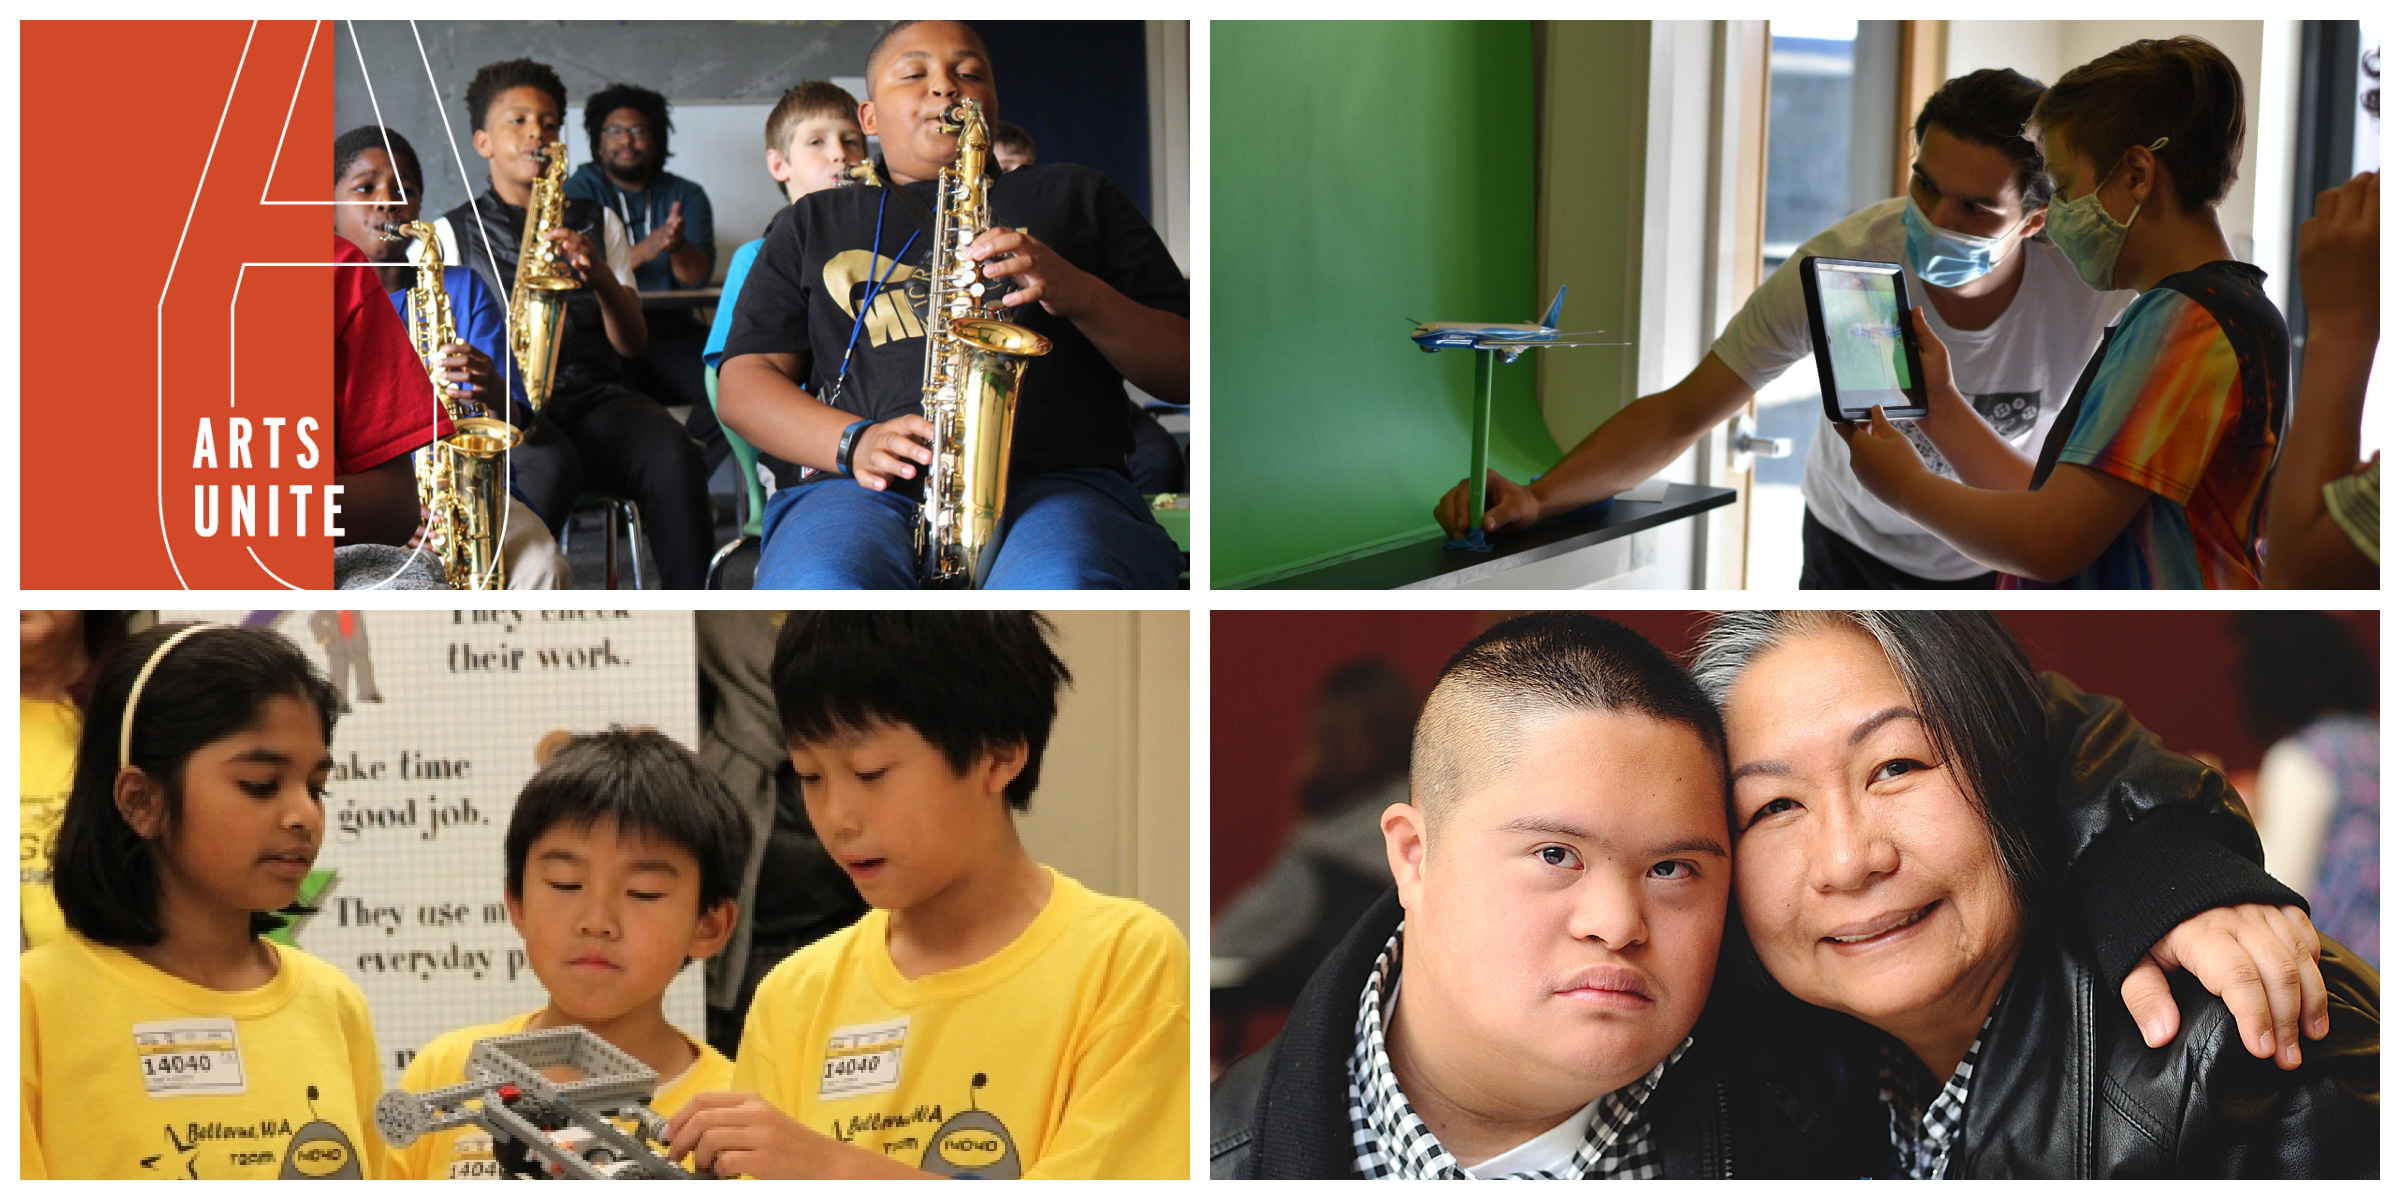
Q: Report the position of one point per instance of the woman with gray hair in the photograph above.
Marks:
(1897, 864)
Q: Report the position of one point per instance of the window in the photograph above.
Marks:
(1831, 89)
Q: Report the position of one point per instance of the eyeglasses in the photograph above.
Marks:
(636, 132)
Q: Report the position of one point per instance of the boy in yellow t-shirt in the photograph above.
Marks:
(624, 861)
(990, 1017)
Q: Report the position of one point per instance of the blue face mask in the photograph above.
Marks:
(1946, 257)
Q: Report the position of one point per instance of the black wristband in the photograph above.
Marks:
(849, 443)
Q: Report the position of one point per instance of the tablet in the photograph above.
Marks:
(1865, 344)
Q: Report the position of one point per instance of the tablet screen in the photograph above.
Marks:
(1862, 335)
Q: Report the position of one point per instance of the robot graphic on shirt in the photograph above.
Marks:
(318, 1149)
(973, 1142)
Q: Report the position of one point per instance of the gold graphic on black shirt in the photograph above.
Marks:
(892, 314)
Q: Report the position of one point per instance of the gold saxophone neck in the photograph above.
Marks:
(419, 231)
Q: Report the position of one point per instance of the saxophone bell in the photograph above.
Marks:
(462, 480)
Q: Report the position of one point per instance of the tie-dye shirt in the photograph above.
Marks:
(2186, 398)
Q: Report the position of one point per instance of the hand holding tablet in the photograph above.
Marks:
(1866, 346)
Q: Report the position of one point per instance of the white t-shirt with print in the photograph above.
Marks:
(2017, 373)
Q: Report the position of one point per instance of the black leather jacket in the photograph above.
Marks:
(2066, 1089)
(2151, 838)
(585, 356)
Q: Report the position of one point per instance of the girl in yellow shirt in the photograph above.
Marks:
(162, 1036)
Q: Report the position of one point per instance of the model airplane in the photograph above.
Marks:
(1510, 340)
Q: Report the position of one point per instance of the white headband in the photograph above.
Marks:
(133, 698)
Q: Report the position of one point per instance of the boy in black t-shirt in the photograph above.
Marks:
(596, 433)
(828, 340)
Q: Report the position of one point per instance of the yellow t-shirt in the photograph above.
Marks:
(1066, 1055)
(47, 732)
(127, 1072)
(466, 1152)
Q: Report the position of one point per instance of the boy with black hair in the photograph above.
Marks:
(825, 364)
(624, 860)
(989, 1017)
(596, 433)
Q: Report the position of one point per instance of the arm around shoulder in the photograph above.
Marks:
(2243, 1117)
(2151, 837)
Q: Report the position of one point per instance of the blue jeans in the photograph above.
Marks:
(1073, 529)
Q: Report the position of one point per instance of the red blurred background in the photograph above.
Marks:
(2175, 670)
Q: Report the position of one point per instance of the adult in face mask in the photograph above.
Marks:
(2154, 474)
(2018, 323)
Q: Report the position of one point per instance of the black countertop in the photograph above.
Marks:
(1426, 564)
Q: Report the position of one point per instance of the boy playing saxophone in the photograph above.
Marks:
(826, 357)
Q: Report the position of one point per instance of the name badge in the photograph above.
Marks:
(863, 1059)
(190, 1058)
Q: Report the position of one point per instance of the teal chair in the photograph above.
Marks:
(745, 461)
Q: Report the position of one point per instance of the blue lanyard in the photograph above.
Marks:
(874, 289)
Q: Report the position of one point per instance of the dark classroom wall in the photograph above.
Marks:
(2175, 670)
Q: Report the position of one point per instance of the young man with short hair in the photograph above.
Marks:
(597, 433)
(1563, 866)
(826, 360)
(989, 1017)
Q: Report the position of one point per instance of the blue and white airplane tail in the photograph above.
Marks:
(1551, 321)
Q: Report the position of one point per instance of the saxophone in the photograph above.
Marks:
(974, 363)
(462, 481)
(537, 304)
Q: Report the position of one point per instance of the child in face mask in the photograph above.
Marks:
(2155, 472)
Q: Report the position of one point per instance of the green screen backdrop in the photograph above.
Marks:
(1366, 175)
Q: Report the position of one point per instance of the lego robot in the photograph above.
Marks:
(543, 1129)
